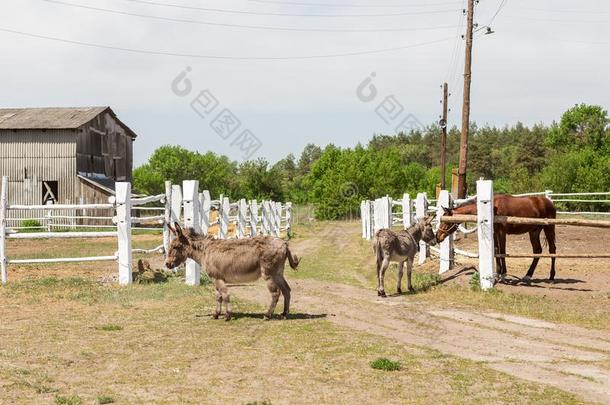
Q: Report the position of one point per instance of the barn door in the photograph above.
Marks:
(49, 192)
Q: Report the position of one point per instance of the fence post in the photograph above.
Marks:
(265, 219)
(167, 216)
(485, 220)
(191, 220)
(49, 220)
(253, 218)
(363, 218)
(289, 219)
(406, 210)
(242, 215)
(421, 208)
(206, 207)
(225, 208)
(278, 209)
(123, 213)
(447, 253)
(371, 218)
(3, 212)
(176, 205)
(548, 193)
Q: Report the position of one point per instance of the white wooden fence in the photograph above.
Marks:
(375, 216)
(191, 208)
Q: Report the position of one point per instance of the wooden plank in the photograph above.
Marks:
(530, 221)
(446, 254)
(167, 216)
(421, 210)
(557, 255)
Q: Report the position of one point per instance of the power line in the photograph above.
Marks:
(502, 4)
(259, 13)
(565, 11)
(221, 57)
(259, 27)
(297, 3)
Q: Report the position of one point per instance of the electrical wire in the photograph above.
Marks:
(502, 4)
(258, 13)
(297, 3)
(222, 57)
(259, 27)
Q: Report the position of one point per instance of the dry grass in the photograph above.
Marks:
(74, 340)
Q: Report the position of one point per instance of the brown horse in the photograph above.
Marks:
(507, 205)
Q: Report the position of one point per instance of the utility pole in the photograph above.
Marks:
(466, 104)
(443, 125)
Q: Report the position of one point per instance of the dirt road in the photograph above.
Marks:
(570, 358)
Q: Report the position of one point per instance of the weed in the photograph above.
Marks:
(109, 328)
(475, 281)
(105, 400)
(71, 400)
(265, 402)
(385, 364)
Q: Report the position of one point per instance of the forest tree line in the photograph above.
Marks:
(572, 155)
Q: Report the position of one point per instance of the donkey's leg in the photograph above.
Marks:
(549, 232)
(382, 269)
(275, 296)
(222, 288)
(537, 249)
(401, 266)
(409, 272)
(285, 288)
(501, 277)
(218, 300)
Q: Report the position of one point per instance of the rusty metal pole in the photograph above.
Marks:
(444, 136)
(466, 104)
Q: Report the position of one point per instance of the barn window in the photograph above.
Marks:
(50, 192)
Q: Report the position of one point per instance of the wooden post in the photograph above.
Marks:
(363, 218)
(447, 253)
(406, 210)
(123, 214)
(225, 208)
(485, 220)
(443, 125)
(254, 219)
(49, 221)
(206, 207)
(176, 204)
(191, 220)
(421, 209)
(3, 215)
(289, 219)
(266, 219)
(167, 217)
(278, 209)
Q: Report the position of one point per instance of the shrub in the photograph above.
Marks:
(385, 364)
(33, 224)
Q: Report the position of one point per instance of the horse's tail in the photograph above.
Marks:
(292, 259)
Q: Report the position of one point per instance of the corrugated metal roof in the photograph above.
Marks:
(52, 117)
(47, 118)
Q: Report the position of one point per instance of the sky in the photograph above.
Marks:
(263, 78)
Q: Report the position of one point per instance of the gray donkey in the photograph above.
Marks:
(400, 247)
(235, 261)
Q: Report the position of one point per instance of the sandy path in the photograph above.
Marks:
(567, 357)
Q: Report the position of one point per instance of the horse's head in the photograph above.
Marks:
(445, 228)
(180, 248)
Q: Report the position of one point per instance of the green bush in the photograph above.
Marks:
(385, 365)
(32, 224)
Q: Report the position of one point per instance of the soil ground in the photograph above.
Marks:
(70, 339)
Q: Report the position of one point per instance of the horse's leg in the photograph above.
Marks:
(549, 232)
(537, 249)
(499, 274)
(501, 234)
(218, 300)
(401, 266)
(409, 271)
(382, 269)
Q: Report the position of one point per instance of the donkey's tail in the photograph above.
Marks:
(378, 252)
(292, 259)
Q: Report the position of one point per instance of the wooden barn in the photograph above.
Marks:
(64, 155)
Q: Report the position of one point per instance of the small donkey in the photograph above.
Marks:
(235, 261)
(400, 247)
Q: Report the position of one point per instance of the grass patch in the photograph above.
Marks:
(385, 364)
(103, 400)
(109, 328)
(71, 400)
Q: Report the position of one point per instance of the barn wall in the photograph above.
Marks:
(29, 157)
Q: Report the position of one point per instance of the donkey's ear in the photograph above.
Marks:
(448, 211)
(429, 219)
(178, 229)
(172, 230)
